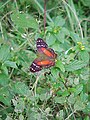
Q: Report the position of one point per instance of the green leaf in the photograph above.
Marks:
(21, 88)
(44, 97)
(86, 3)
(4, 69)
(57, 46)
(60, 65)
(5, 96)
(47, 110)
(4, 53)
(83, 96)
(59, 21)
(50, 39)
(75, 65)
(79, 89)
(71, 99)
(8, 118)
(10, 64)
(84, 55)
(24, 20)
(75, 37)
(55, 72)
(21, 117)
(61, 35)
(60, 100)
(79, 105)
(20, 106)
(4, 79)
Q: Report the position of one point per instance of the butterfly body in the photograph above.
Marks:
(46, 57)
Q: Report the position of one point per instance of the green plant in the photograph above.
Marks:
(61, 92)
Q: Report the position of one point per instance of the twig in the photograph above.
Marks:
(35, 84)
(70, 115)
(40, 7)
(45, 15)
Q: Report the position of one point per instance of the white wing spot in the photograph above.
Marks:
(38, 45)
(36, 65)
(32, 69)
(39, 40)
(43, 45)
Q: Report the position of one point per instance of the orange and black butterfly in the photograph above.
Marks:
(46, 56)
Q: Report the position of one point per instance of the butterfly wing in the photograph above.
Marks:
(40, 43)
(42, 47)
(46, 59)
(35, 67)
(38, 64)
(46, 63)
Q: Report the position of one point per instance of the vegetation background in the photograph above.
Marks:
(61, 92)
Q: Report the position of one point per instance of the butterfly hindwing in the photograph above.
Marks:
(35, 67)
(46, 63)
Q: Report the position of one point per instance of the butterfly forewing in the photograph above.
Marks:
(40, 43)
(42, 48)
(49, 52)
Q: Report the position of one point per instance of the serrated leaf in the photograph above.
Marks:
(21, 88)
(20, 106)
(60, 100)
(75, 65)
(71, 99)
(79, 88)
(60, 65)
(75, 37)
(57, 46)
(79, 105)
(4, 53)
(84, 55)
(5, 69)
(44, 96)
(5, 96)
(50, 39)
(4, 79)
(24, 20)
(61, 35)
(59, 21)
(55, 72)
(83, 96)
(10, 64)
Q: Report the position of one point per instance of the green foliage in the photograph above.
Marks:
(61, 92)
(75, 65)
(24, 20)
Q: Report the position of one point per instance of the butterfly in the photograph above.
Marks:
(46, 56)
